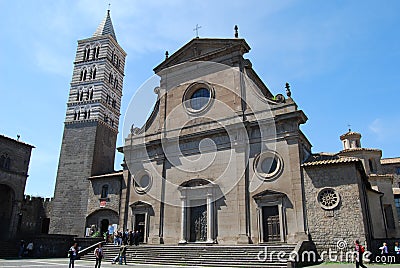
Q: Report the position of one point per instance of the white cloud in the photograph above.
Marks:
(385, 129)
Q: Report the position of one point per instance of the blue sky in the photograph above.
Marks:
(340, 57)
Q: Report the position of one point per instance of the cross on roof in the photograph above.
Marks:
(197, 30)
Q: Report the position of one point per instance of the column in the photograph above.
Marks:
(210, 212)
(183, 221)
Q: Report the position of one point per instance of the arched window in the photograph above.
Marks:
(81, 78)
(97, 52)
(87, 53)
(5, 161)
(81, 96)
(77, 95)
(104, 191)
(2, 161)
(94, 73)
(91, 94)
(75, 115)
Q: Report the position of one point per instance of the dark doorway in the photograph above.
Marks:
(271, 224)
(198, 224)
(6, 210)
(104, 226)
(45, 225)
(140, 226)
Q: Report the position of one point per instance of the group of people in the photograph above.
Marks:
(384, 254)
(126, 238)
(25, 250)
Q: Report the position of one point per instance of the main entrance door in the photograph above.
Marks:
(271, 224)
(139, 225)
(198, 223)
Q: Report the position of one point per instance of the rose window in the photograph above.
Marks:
(328, 198)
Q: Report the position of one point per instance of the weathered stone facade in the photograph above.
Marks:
(14, 162)
(35, 216)
(346, 221)
(220, 160)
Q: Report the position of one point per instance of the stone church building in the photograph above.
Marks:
(220, 160)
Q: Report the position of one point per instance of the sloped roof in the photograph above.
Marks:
(105, 27)
(203, 49)
(327, 159)
(108, 175)
(393, 160)
(349, 134)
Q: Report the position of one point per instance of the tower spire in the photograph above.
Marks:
(105, 27)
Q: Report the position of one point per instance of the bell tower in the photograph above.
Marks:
(91, 126)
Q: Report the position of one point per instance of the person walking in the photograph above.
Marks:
(73, 255)
(360, 252)
(98, 253)
(21, 249)
(122, 254)
(397, 251)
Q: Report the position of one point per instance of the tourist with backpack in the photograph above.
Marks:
(98, 253)
(360, 252)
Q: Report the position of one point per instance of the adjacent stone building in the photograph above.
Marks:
(14, 163)
(220, 160)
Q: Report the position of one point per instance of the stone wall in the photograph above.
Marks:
(35, 212)
(343, 223)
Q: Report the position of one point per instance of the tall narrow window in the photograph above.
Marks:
(2, 161)
(77, 95)
(91, 94)
(94, 73)
(84, 75)
(389, 216)
(104, 191)
(97, 52)
(397, 204)
(81, 79)
(87, 53)
(371, 166)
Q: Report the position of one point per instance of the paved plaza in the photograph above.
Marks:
(63, 263)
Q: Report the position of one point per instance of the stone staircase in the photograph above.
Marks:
(197, 255)
(8, 249)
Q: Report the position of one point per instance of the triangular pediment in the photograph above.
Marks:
(205, 49)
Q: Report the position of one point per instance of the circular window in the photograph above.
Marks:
(328, 198)
(142, 182)
(268, 165)
(198, 97)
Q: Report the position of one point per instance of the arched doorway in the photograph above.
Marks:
(100, 219)
(6, 210)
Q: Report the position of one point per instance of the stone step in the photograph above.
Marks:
(221, 256)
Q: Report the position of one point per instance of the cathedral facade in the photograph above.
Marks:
(220, 160)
